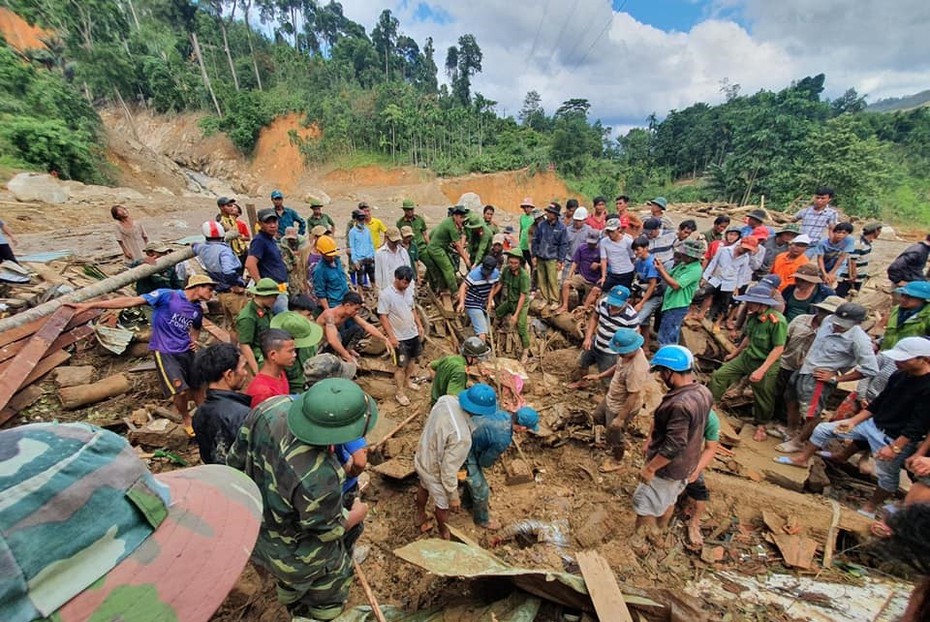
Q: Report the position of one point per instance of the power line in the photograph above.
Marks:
(599, 35)
(542, 19)
(558, 38)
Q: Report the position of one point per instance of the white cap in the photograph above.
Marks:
(580, 213)
(801, 239)
(212, 229)
(909, 348)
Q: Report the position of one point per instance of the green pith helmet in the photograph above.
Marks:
(314, 202)
(331, 412)
(306, 334)
(265, 287)
(474, 221)
(408, 204)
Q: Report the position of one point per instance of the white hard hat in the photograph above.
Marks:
(212, 229)
(580, 214)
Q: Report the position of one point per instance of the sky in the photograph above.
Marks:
(632, 58)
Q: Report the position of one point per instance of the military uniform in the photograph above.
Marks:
(512, 286)
(439, 266)
(450, 376)
(251, 322)
(302, 537)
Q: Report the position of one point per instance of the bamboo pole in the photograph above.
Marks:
(105, 286)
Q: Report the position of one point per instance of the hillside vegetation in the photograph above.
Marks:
(376, 96)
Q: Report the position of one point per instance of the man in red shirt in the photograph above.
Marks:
(280, 353)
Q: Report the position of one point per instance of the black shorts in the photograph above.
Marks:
(612, 280)
(697, 489)
(407, 350)
(174, 371)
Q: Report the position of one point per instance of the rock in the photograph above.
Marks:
(888, 233)
(472, 201)
(38, 187)
(161, 434)
(595, 529)
(74, 375)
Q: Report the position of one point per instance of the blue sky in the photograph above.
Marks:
(666, 15)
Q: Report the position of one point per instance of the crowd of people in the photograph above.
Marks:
(280, 405)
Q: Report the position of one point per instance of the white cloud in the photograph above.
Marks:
(628, 69)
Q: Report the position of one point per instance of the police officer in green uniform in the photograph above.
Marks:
(515, 303)
(254, 319)
(449, 372)
(479, 238)
(446, 238)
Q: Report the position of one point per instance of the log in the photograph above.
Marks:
(27, 358)
(75, 397)
(109, 284)
(718, 336)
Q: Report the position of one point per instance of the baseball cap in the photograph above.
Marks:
(593, 237)
(266, 214)
(88, 532)
(224, 201)
(499, 238)
(277, 195)
(915, 289)
(612, 224)
(750, 243)
(909, 348)
(761, 233)
(489, 263)
(849, 314)
(406, 231)
(328, 365)
(651, 224)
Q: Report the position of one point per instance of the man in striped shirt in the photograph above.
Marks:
(613, 312)
(661, 241)
(817, 219)
(475, 292)
(856, 269)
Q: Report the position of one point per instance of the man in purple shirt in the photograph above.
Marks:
(176, 321)
(585, 270)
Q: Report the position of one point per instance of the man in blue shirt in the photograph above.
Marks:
(329, 277)
(361, 252)
(221, 263)
(286, 216)
(549, 246)
(264, 260)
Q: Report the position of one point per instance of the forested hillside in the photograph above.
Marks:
(377, 95)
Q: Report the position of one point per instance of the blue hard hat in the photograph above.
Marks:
(528, 418)
(625, 340)
(277, 195)
(916, 289)
(618, 296)
(479, 399)
(676, 358)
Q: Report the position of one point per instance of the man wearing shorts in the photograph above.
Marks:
(401, 324)
(176, 321)
(584, 271)
(674, 447)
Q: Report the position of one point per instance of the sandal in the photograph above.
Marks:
(788, 461)
(189, 429)
(403, 400)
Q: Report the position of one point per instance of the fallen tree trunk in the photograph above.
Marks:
(110, 284)
(75, 397)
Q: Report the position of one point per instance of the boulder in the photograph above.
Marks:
(38, 187)
(472, 201)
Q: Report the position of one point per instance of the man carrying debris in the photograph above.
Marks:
(450, 374)
(222, 368)
(893, 424)
(255, 318)
(442, 450)
(264, 260)
(475, 295)
(343, 327)
(515, 305)
(674, 446)
(478, 238)
(549, 250)
(756, 357)
(285, 446)
(446, 238)
(177, 318)
(613, 312)
(628, 378)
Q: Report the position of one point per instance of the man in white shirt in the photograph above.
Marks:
(391, 256)
(401, 324)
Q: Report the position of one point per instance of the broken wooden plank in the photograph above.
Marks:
(602, 586)
(797, 551)
(22, 400)
(27, 358)
(63, 341)
(26, 330)
(830, 544)
(46, 365)
(220, 334)
(143, 366)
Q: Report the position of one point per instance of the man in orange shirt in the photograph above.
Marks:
(787, 263)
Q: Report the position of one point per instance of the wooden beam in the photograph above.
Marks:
(63, 341)
(27, 358)
(602, 587)
(218, 333)
(19, 401)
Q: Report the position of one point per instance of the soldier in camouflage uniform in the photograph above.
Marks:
(285, 447)
(88, 533)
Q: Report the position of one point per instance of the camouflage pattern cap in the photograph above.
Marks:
(88, 533)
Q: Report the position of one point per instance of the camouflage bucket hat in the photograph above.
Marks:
(88, 533)
(332, 412)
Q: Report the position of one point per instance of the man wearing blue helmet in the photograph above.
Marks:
(613, 312)
(674, 447)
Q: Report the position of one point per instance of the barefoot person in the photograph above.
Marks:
(674, 446)
(696, 491)
(401, 323)
(176, 321)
